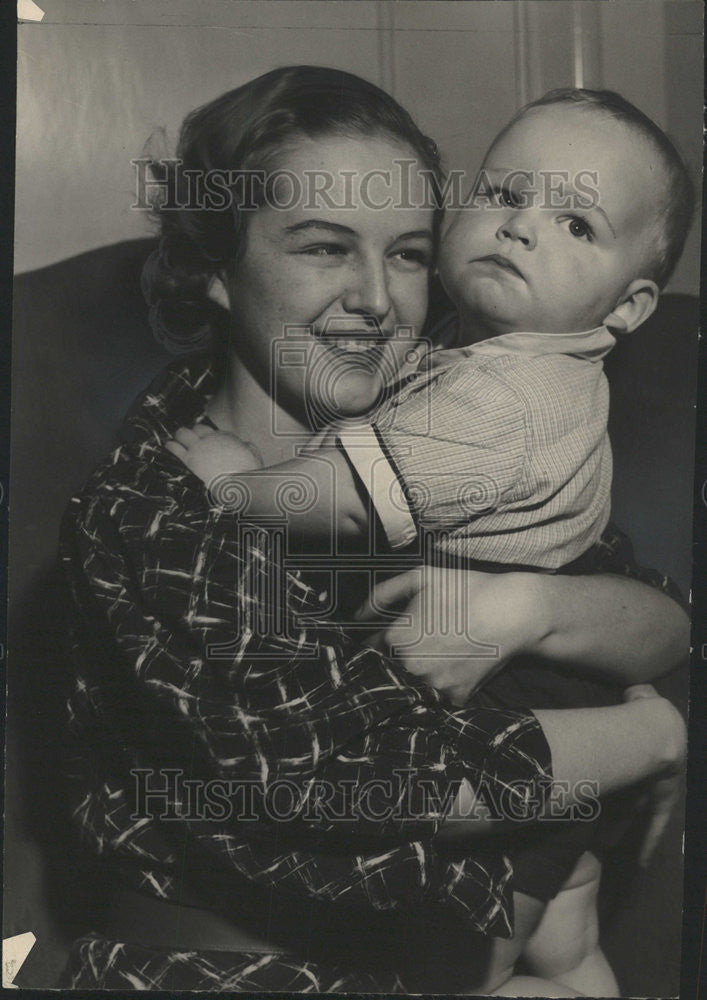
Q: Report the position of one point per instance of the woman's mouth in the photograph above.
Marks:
(355, 345)
(350, 339)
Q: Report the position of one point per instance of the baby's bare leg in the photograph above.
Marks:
(532, 986)
(505, 952)
(499, 977)
(565, 946)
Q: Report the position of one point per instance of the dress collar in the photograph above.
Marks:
(176, 397)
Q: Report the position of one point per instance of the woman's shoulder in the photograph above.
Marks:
(139, 464)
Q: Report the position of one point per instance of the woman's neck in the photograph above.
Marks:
(242, 406)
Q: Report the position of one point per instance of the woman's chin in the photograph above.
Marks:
(360, 396)
(343, 387)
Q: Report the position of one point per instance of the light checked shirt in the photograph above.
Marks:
(498, 450)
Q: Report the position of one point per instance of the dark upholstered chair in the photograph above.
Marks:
(82, 350)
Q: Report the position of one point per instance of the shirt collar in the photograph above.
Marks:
(590, 345)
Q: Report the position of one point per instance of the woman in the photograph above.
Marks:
(221, 717)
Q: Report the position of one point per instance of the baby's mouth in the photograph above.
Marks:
(501, 261)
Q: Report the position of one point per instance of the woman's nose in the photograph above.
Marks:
(518, 227)
(368, 291)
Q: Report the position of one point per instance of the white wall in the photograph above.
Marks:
(97, 77)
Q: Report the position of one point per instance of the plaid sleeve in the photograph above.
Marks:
(196, 666)
(457, 443)
(185, 612)
(186, 668)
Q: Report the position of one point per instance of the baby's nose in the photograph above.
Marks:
(518, 228)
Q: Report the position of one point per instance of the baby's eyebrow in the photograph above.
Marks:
(608, 220)
(567, 190)
(506, 171)
(571, 192)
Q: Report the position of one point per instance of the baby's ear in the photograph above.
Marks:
(637, 303)
(217, 293)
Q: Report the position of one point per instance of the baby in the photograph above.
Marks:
(497, 451)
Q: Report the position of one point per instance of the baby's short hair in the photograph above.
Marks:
(675, 215)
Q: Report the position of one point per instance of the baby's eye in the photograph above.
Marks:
(505, 198)
(580, 228)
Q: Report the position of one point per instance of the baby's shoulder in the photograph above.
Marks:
(547, 384)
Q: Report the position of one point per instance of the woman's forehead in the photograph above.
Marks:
(303, 224)
(370, 183)
(343, 170)
(344, 151)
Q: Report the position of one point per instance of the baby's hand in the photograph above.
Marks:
(209, 453)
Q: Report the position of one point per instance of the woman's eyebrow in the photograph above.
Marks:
(333, 227)
(416, 234)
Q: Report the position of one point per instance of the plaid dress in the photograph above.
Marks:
(189, 669)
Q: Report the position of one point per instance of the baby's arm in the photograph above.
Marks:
(441, 456)
(335, 500)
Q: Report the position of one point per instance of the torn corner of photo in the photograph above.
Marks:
(14, 952)
(28, 10)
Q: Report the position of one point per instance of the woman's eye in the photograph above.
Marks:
(580, 228)
(415, 258)
(325, 250)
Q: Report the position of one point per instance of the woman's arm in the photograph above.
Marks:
(602, 749)
(614, 625)
(605, 624)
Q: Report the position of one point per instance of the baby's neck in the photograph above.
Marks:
(474, 328)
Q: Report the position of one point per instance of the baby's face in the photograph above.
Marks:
(563, 230)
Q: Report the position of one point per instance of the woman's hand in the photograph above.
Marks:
(663, 792)
(456, 628)
(209, 453)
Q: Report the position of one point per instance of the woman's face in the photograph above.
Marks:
(325, 285)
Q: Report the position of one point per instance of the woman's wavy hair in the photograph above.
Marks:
(241, 132)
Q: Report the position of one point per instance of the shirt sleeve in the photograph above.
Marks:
(448, 449)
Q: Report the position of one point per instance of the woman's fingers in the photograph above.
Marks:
(186, 436)
(634, 692)
(664, 799)
(176, 448)
(387, 595)
(203, 430)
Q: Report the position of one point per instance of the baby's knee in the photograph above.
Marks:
(569, 931)
(504, 953)
(586, 875)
